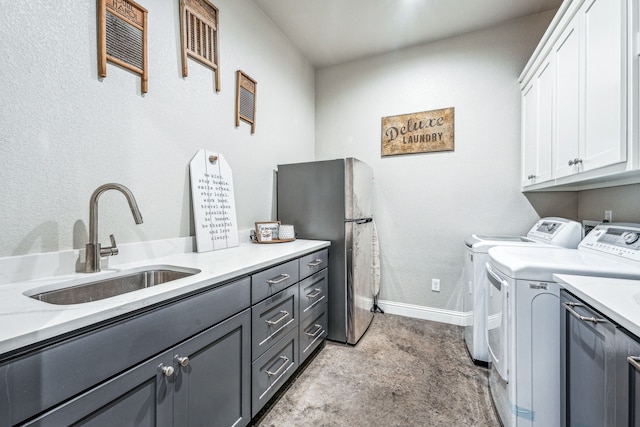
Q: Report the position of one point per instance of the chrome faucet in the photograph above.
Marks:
(93, 248)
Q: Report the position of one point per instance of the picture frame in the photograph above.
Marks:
(267, 231)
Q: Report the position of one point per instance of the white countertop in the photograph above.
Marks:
(618, 299)
(26, 321)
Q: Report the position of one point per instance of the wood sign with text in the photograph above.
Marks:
(426, 132)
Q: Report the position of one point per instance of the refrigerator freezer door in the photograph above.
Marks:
(358, 189)
(359, 279)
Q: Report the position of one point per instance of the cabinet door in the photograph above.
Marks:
(567, 125)
(604, 29)
(589, 369)
(213, 386)
(529, 132)
(627, 380)
(545, 82)
(141, 396)
(537, 122)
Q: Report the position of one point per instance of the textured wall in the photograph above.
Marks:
(64, 131)
(623, 201)
(426, 204)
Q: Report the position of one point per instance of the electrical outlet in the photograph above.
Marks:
(435, 285)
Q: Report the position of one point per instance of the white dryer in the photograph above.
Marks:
(547, 232)
(523, 317)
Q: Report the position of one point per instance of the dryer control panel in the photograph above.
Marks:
(616, 239)
(557, 231)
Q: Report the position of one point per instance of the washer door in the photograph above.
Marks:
(497, 336)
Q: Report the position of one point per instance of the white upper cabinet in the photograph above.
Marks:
(580, 74)
(604, 27)
(566, 53)
(537, 119)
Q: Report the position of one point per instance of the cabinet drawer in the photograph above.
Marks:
(272, 319)
(313, 292)
(272, 369)
(270, 282)
(313, 331)
(44, 378)
(312, 263)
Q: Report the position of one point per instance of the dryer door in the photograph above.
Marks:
(497, 313)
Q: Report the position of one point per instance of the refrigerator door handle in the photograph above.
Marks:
(359, 220)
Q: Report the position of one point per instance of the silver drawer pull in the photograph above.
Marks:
(569, 306)
(282, 278)
(634, 361)
(317, 292)
(315, 263)
(285, 314)
(285, 360)
(316, 332)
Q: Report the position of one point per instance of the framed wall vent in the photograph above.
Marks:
(122, 37)
(246, 100)
(199, 39)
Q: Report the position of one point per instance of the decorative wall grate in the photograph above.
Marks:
(122, 37)
(199, 22)
(246, 100)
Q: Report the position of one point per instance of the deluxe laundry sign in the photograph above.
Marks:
(424, 132)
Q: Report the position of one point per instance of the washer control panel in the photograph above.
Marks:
(616, 239)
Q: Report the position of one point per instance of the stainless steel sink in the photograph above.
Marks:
(96, 290)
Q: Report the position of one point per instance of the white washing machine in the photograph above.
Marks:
(523, 317)
(547, 232)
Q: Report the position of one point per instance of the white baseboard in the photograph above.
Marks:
(426, 313)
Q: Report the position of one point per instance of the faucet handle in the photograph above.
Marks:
(111, 250)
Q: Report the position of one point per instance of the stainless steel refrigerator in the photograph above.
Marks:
(331, 200)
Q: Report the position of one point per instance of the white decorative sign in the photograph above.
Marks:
(214, 205)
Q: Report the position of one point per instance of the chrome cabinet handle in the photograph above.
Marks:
(182, 360)
(571, 163)
(285, 314)
(167, 371)
(316, 332)
(317, 292)
(575, 161)
(634, 361)
(285, 360)
(531, 176)
(315, 263)
(569, 306)
(283, 277)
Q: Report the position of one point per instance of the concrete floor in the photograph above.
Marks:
(403, 372)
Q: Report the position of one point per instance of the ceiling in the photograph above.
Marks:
(330, 32)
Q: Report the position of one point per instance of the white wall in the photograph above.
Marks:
(64, 131)
(426, 204)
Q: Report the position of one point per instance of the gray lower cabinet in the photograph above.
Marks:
(313, 313)
(588, 378)
(211, 358)
(212, 388)
(628, 378)
(45, 379)
(273, 318)
(289, 321)
(601, 368)
(272, 369)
